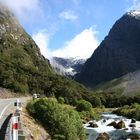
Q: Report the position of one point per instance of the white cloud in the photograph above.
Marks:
(135, 5)
(42, 40)
(24, 9)
(82, 45)
(68, 15)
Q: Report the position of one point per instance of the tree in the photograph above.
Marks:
(83, 105)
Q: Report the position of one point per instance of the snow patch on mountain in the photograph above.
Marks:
(135, 13)
(67, 66)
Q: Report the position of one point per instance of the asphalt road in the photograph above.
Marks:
(6, 108)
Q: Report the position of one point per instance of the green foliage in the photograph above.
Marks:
(132, 111)
(89, 115)
(61, 100)
(94, 100)
(85, 110)
(111, 100)
(18, 65)
(30, 107)
(61, 121)
(58, 137)
(83, 105)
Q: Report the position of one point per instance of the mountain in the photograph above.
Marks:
(24, 70)
(128, 85)
(20, 57)
(117, 55)
(133, 83)
(67, 66)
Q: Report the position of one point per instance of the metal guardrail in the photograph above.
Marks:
(14, 130)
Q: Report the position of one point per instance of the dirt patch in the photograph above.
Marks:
(5, 93)
(32, 129)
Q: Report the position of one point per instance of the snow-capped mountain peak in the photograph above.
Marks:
(67, 66)
(135, 13)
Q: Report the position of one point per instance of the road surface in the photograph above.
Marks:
(6, 108)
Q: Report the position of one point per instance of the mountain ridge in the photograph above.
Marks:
(117, 55)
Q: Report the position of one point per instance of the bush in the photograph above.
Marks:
(83, 105)
(132, 111)
(61, 100)
(62, 122)
(30, 108)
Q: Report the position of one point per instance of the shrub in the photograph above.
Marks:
(61, 121)
(61, 100)
(132, 111)
(83, 105)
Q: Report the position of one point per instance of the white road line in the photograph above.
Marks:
(4, 109)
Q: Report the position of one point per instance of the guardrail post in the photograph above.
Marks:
(18, 105)
(10, 132)
(15, 127)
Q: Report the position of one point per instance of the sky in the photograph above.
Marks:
(69, 28)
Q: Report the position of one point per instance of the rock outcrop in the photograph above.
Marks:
(103, 136)
(93, 125)
(120, 125)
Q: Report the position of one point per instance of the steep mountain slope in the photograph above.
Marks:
(133, 84)
(20, 58)
(128, 85)
(67, 66)
(117, 55)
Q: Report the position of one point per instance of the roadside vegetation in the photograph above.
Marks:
(60, 120)
(132, 111)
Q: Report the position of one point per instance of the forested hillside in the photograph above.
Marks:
(23, 69)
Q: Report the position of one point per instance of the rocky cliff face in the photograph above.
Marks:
(117, 55)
